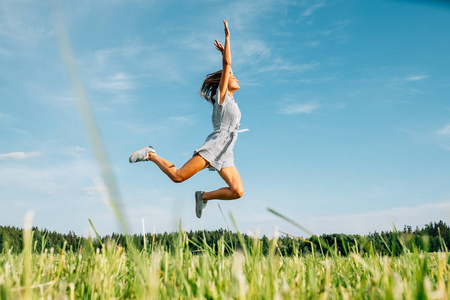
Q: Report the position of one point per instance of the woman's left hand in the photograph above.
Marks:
(219, 46)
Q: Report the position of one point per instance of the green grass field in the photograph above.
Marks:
(156, 273)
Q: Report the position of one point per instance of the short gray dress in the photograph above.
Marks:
(218, 147)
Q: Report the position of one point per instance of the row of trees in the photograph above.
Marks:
(433, 237)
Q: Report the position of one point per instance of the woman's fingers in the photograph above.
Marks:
(218, 46)
(225, 24)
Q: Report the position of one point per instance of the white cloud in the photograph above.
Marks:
(93, 191)
(338, 31)
(115, 82)
(279, 64)
(129, 51)
(169, 125)
(311, 9)
(311, 44)
(360, 222)
(19, 155)
(244, 13)
(181, 121)
(258, 55)
(298, 108)
(410, 78)
(175, 123)
(77, 148)
(50, 178)
(73, 150)
(116, 70)
(320, 80)
(416, 78)
(445, 130)
(380, 220)
(251, 52)
(19, 23)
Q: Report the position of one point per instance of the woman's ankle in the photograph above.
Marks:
(151, 156)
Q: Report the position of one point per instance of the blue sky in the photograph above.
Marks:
(347, 103)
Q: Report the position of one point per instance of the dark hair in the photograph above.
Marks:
(210, 85)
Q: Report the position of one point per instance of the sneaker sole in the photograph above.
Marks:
(196, 204)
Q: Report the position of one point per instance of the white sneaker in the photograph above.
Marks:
(199, 204)
(141, 155)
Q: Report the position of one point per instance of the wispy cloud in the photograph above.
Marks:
(129, 51)
(338, 31)
(312, 8)
(243, 13)
(311, 44)
(319, 80)
(117, 69)
(444, 131)
(298, 108)
(73, 150)
(115, 82)
(366, 222)
(380, 220)
(257, 55)
(416, 78)
(19, 155)
(49, 178)
(21, 24)
(279, 64)
(410, 78)
(169, 125)
(179, 121)
(251, 52)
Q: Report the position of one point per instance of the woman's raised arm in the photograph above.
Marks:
(226, 63)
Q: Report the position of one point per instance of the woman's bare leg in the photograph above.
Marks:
(192, 166)
(235, 188)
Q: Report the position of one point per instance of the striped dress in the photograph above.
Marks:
(218, 147)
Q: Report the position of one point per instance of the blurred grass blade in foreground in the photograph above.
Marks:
(290, 221)
(112, 192)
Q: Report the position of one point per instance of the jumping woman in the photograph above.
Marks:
(217, 151)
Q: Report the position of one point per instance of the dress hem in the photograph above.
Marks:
(213, 165)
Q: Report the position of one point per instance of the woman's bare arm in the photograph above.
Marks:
(226, 63)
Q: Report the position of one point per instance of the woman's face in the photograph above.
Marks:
(233, 83)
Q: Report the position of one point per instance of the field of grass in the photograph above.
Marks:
(117, 273)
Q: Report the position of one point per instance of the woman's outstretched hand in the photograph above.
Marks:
(218, 46)
(227, 32)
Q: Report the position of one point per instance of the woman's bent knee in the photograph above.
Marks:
(237, 193)
(177, 179)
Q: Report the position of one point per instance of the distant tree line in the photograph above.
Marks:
(433, 237)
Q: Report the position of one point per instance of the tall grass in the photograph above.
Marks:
(178, 273)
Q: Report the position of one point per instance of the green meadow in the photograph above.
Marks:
(107, 270)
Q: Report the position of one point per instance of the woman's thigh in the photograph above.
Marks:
(192, 166)
(232, 178)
